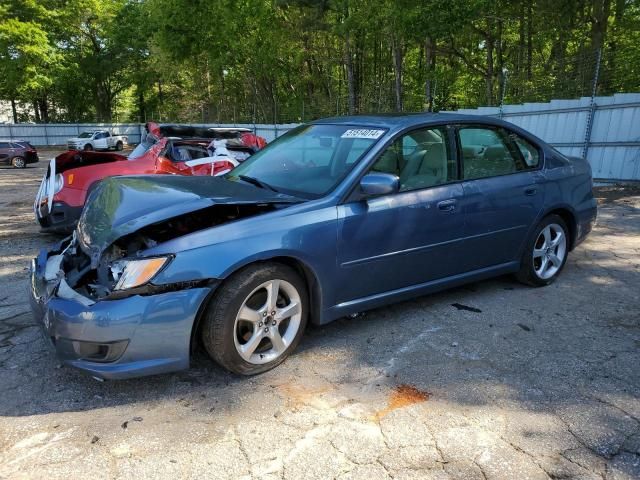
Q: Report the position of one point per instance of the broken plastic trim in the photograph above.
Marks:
(68, 293)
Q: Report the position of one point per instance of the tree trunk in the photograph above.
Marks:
(43, 106)
(599, 18)
(397, 63)
(348, 61)
(142, 114)
(521, 44)
(500, 58)
(36, 111)
(430, 65)
(103, 102)
(160, 100)
(613, 45)
(14, 111)
(490, 70)
(529, 39)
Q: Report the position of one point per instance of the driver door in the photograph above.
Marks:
(412, 236)
(100, 141)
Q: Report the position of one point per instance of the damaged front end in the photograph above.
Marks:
(68, 273)
(111, 321)
(94, 292)
(57, 205)
(91, 274)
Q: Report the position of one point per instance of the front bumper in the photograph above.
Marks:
(153, 331)
(61, 219)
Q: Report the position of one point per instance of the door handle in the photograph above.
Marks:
(530, 191)
(447, 205)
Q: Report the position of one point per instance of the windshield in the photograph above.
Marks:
(85, 135)
(308, 161)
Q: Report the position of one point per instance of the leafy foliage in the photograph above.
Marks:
(294, 60)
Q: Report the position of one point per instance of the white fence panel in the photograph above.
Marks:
(613, 146)
(52, 134)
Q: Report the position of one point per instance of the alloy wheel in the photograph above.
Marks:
(267, 322)
(549, 251)
(18, 162)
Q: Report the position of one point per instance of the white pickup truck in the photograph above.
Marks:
(97, 140)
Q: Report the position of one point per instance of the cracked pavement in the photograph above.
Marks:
(526, 384)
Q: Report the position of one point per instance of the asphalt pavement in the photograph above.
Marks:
(493, 380)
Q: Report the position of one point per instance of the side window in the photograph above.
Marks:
(4, 145)
(420, 159)
(488, 152)
(530, 154)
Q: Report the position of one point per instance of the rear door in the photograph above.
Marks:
(503, 193)
(409, 237)
(5, 152)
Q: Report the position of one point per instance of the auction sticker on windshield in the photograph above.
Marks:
(363, 133)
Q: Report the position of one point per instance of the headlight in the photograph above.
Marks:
(133, 273)
(58, 184)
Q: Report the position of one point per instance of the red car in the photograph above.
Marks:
(164, 149)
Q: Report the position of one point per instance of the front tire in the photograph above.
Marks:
(119, 146)
(19, 162)
(88, 147)
(256, 319)
(546, 252)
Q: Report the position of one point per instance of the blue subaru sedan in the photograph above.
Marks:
(336, 217)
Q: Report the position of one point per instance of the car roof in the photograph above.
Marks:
(399, 120)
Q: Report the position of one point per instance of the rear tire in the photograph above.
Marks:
(256, 319)
(546, 252)
(19, 162)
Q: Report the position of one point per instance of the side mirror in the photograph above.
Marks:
(375, 184)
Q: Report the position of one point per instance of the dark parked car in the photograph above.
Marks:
(17, 153)
(335, 217)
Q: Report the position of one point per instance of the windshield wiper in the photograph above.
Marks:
(257, 183)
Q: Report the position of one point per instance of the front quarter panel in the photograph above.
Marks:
(304, 234)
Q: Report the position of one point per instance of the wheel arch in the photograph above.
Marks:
(569, 217)
(303, 269)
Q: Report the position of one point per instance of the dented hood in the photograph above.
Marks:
(123, 205)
